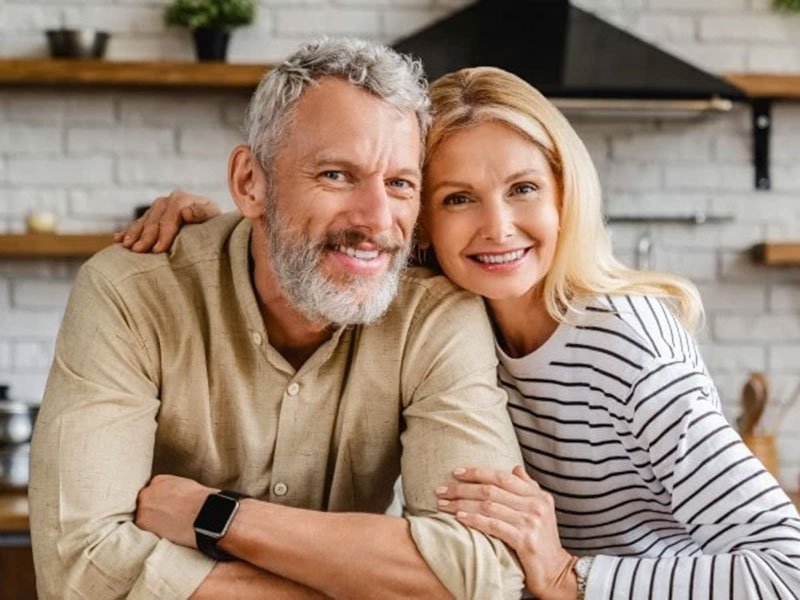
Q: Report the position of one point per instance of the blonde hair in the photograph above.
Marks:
(583, 264)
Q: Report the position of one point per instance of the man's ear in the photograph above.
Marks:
(247, 182)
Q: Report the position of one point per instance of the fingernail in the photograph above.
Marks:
(441, 489)
(444, 502)
(461, 514)
(127, 239)
(459, 471)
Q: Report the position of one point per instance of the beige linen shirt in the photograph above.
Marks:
(163, 366)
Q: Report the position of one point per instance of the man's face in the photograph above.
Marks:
(344, 199)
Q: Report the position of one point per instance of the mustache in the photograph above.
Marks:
(385, 242)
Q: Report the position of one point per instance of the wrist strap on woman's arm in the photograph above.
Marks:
(581, 568)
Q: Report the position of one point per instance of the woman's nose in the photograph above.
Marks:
(498, 223)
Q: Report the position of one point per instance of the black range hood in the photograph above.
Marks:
(568, 54)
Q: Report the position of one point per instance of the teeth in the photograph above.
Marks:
(497, 259)
(359, 254)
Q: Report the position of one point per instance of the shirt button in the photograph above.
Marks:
(280, 489)
(257, 339)
(293, 389)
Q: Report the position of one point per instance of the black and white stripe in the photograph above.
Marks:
(619, 420)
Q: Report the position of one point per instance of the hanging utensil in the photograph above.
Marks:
(754, 400)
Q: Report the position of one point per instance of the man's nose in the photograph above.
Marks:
(498, 222)
(373, 208)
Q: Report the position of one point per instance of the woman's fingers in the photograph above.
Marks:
(200, 211)
(519, 519)
(492, 526)
(510, 482)
(157, 228)
(482, 492)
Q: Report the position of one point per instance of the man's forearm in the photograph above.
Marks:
(344, 555)
(242, 581)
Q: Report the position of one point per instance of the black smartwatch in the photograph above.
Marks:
(213, 521)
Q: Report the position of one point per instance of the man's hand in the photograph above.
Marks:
(168, 505)
(157, 228)
(512, 507)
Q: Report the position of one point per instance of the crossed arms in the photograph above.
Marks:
(94, 451)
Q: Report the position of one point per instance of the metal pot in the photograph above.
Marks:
(77, 43)
(16, 421)
(14, 467)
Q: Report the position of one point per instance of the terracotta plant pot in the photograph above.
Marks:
(211, 43)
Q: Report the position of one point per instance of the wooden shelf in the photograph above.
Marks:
(132, 74)
(763, 85)
(777, 254)
(50, 245)
(13, 511)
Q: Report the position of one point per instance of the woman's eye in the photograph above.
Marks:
(525, 188)
(455, 199)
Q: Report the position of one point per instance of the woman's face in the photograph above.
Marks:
(491, 210)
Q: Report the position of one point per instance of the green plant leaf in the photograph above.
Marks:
(224, 14)
(788, 5)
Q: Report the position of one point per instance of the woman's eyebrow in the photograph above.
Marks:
(451, 183)
(523, 173)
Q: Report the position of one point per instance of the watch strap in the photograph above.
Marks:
(207, 544)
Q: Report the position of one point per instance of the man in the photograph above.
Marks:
(286, 356)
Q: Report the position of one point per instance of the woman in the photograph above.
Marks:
(629, 463)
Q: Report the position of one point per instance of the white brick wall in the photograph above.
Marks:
(91, 156)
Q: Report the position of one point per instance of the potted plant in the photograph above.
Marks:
(211, 22)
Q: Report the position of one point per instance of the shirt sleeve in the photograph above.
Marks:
(455, 415)
(92, 452)
(744, 531)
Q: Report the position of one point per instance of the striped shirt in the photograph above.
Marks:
(619, 420)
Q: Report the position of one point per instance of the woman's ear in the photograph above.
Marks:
(423, 239)
(247, 182)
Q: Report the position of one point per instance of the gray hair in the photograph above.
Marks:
(389, 75)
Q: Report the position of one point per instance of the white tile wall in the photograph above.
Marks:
(92, 155)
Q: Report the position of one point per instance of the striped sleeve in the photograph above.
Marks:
(744, 533)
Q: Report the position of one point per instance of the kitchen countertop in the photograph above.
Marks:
(14, 510)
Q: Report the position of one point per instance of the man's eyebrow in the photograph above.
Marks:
(410, 172)
(341, 162)
(333, 161)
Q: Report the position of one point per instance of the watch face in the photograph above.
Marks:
(214, 517)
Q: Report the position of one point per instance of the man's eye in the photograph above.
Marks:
(333, 175)
(455, 199)
(402, 184)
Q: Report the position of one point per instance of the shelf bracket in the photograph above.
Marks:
(762, 127)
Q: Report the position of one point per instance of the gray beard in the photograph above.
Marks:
(297, 263)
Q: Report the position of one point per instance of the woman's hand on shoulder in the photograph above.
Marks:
(156, 229)
(513, 508)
